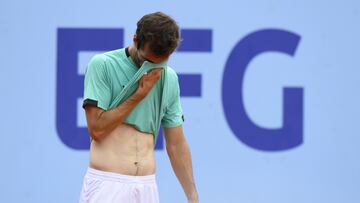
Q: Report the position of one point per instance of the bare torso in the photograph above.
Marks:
(126, 151)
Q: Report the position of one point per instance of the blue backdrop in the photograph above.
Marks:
(269, 92)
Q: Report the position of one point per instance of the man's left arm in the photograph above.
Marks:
(180, 158)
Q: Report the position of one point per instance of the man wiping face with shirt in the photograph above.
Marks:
(128, 94)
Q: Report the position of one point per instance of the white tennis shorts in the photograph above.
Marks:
(107, 187)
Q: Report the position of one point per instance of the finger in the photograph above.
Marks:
(140, 82)
(158, 72)
(155, 70)
(156, 76)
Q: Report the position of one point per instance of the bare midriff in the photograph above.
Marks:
(126, 151)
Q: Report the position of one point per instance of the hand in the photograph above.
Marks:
(147, 81)
(193, 199)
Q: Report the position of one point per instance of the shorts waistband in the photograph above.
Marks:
(117, 177)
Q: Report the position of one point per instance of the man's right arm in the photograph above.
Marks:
(101, 123)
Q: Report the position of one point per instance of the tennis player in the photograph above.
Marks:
(128, 94)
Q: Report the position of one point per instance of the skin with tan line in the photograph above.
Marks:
(120, 148)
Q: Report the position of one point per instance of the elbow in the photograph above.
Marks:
(170, 149)
(171, 152)
(96, 134)
(173, 148)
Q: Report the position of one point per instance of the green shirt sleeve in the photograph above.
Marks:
(173, 116)
(97, 90)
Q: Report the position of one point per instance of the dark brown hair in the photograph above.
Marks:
(160, 31)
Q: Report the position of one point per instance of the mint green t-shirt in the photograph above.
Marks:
(111, 77)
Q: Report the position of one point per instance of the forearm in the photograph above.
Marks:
(108, 120)
(180, 158)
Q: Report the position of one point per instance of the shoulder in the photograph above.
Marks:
(172, 79)
(97, 66)
(171, 73)
(104, 58)
(98, 60)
